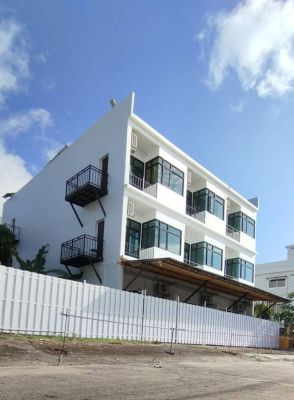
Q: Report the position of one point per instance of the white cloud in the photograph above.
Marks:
(14, 59)
(256, 41)
(13, 173)
(13, 170)
(238, 107)
(14, 74)
(23, 122)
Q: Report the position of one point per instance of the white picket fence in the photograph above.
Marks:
(39, 304)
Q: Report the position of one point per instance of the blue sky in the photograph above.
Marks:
(216, 77)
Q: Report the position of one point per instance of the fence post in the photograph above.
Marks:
(231, 339)
(176, 327)
(65, 328)
(143, 313)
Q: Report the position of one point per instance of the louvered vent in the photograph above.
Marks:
(131, 209)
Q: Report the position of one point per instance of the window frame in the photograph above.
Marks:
(243, 266)
(130, 229)
(156, 233)
(244, 221)
(206, 200)
(139, 167)
(203, 251)
(276, 280)
(158, 170)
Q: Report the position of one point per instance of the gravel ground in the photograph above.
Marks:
(34, 369)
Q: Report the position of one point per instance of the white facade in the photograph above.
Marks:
(277, 277)
(44, 216)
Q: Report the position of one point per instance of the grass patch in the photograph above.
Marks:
(69, 339)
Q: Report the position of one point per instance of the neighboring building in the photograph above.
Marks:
(277, 277)
(139, 214)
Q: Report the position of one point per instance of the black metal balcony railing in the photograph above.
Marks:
(81, 251)
(15, 230)
(192, 212)
(84, 187)
(132, 250)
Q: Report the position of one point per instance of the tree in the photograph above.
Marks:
(261, 310)
(38, 264)
(7, 245)
(286, 312)
(35, 265)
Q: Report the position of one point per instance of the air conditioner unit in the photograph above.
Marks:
(189, 177)
(131, 209)
(134, 141)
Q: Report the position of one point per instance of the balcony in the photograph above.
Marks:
(141, 184)
(192, 264)
(15, 230)
(233, 233)
(199, 215)
(132, 250)
(81, 251)
(86, 186)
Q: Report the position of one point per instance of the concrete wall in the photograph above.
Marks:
(44, 216)
(277, 269)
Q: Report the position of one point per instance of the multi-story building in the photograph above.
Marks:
(132, 211)
(277, 277)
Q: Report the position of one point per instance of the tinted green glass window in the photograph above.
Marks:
(204, 253)
(206, 200)
(242, 223)
(187, 251)
(133, 236)
(189, 199)
(158, 234)
(161, 171)
(137, 167)
(239, 268)
(173, 243)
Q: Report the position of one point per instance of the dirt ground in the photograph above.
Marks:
(33, 368)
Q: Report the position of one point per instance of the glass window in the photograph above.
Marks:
(158, 234)
(166, 177)
(239, 268)
(189, 199)
(137, 167)
(242, 223)
(187, 251)
(206, 200)
(133, 236)
(204, 253)
(174, 243)
(233, 268)
(277, 282)
(160, 171)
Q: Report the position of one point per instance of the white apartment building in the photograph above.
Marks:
(125, 208)
(277, 277)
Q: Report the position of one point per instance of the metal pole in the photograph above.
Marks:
(176, 327)
(143, 311)
(65, 330)
(171, 342)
